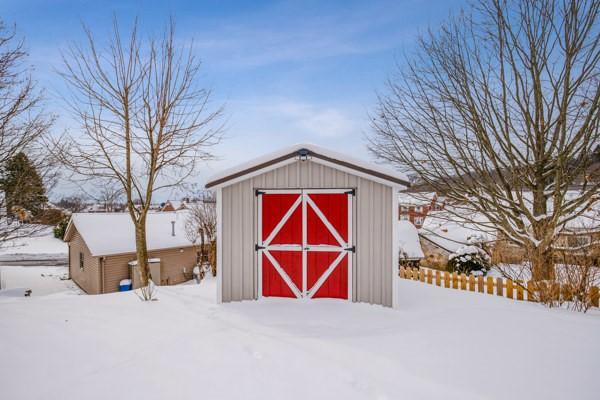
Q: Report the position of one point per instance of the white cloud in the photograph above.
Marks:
(310, 120)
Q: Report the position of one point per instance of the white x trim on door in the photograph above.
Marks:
(344, 248)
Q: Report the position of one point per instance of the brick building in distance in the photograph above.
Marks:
(414, 206)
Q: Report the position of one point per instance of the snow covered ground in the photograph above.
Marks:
(441, 344)
(42, 281)
(42, 245)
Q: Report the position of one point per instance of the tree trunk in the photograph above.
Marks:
(142, 252)
(202, 247)
(542, 263)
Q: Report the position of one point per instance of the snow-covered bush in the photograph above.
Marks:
(470, 259)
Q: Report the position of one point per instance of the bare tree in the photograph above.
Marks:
(73, 203)
(144, 119)
(579, 276)
(499, 111)
(109, 194)
(201, 227)
(23, 122)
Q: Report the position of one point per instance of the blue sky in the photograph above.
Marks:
(287, 72)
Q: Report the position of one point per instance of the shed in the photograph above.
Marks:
(307, 222)
(102, 245)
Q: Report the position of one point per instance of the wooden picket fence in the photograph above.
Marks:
(495, 286)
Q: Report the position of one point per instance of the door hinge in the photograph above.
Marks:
(352, 249)
(352, 192)
(257, 247)
(258, 192)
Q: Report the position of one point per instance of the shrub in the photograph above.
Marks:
(469, 259)
(61, 227)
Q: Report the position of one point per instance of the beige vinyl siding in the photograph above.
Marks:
(372, 229)
(87, 279)
(172, 262)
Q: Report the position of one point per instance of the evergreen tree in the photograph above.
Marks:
(22, 185)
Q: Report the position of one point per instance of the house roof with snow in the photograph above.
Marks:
(410, 247)
(451, 232)
(114, 233)
(318, 154)
(174, 205)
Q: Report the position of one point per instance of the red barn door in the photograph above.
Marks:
(304, 243)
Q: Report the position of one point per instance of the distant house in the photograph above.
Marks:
(102, 249)
(443, 234)
(414, 206)
(174, 205)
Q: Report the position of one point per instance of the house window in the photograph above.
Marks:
(80, 260)
(419, 209)
(403, 217)
(419, 221)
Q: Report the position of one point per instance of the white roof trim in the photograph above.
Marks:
(370, 171)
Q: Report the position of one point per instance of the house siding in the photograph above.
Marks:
(88, 278)
(372, 229)
(435, 256)
(172, 262)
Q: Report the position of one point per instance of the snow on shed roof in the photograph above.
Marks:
(113, 233)
(316, 153)
(408, 237)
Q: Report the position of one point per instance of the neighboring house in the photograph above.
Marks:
(443, 234)
(307, 222)
(102, 245)
(174, 205)
(414, 206)
(576, 238)
(410, 248)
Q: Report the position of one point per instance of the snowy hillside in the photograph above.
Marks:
(441, 344)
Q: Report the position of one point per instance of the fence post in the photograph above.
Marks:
(519, 290)
(401, 273)
(463, 282)
(429, 276)
(446, 279)
(509, 288)
(480, 284)
(499, 286)
(490, 285)
(471, 283)
(595, 296)
(531, 291)
(422, 275)
(438, 278)
(454, 280)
